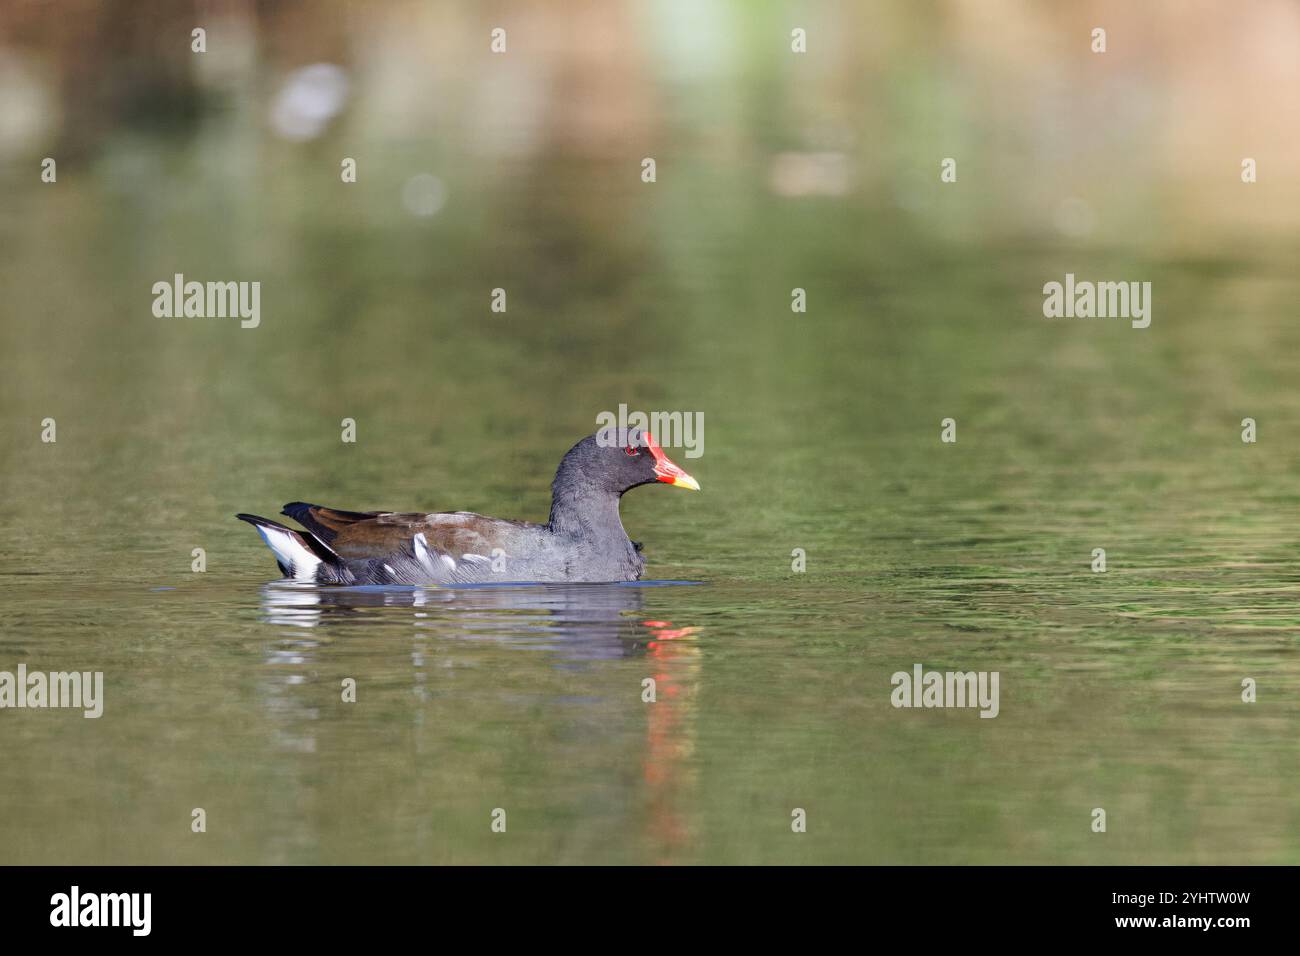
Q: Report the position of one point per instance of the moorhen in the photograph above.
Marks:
(584, 542)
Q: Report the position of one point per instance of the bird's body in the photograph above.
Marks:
(583, 541)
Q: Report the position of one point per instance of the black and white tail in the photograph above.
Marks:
(300, 554)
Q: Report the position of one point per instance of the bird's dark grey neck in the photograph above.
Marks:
(587, 512)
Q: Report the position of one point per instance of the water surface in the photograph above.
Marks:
(1119, 690)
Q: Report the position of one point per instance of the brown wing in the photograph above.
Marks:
(375, 534)
(323, 522)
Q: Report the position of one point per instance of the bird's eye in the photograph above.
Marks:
(632, 451)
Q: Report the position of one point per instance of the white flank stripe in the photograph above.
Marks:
(422, 551)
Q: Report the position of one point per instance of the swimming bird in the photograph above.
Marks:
(583, 542)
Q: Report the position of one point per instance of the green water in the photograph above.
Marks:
(1119, 690)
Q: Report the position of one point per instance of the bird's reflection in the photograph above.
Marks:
(577, 626)
(667, 764)
(590, 621)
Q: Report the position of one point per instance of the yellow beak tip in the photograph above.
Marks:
(686, 481)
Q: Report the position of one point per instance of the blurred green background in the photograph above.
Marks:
(775, 170)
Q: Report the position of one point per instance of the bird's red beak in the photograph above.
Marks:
(665, 470)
